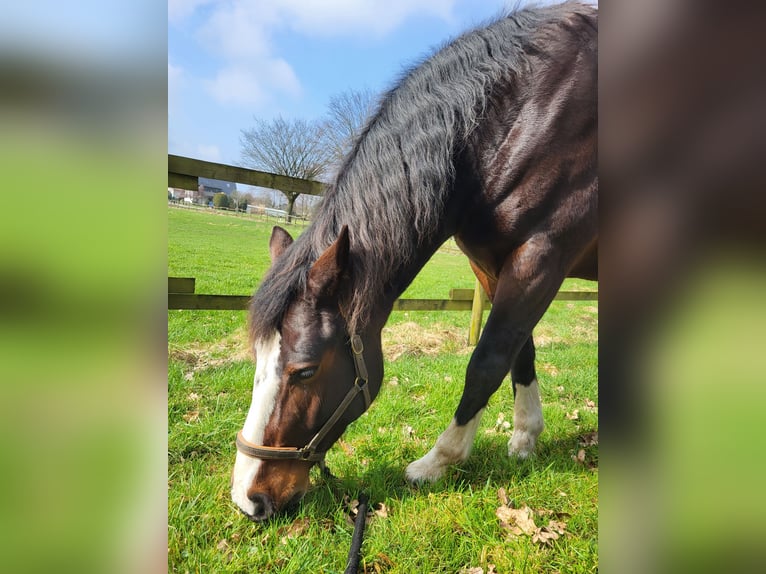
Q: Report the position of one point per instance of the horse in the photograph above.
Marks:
(491, 140)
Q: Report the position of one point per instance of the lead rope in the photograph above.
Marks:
(352, 566)
(354, 554)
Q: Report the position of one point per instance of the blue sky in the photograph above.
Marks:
(232, 60)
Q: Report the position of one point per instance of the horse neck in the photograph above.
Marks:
(396, 223)
(400, 279)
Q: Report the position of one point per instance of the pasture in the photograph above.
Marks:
(472, 518)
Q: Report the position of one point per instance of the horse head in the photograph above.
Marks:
(311, 382)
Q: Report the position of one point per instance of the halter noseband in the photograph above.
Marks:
(309, 452)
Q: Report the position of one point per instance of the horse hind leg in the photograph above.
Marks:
(527, 408)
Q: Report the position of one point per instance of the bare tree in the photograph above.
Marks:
(236, 199)
(347, 114)
(286, 147)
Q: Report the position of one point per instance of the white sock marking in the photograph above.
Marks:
(527, 420)
(452, 446)
(265, 388)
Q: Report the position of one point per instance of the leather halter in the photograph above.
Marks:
(310, 452)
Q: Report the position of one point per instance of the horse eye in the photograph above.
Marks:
(306, 374)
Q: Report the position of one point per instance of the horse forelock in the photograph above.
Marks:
(280, 286)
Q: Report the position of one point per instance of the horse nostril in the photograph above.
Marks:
(263, 507)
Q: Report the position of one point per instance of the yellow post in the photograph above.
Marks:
(477, 314)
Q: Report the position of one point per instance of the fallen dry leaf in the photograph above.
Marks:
(474, 570)
(519, 521)
(293, 530)
(377, 510)
(557, 526)
(191, 417)
(380, 510)
(223, 546)
(544, 536)
(547, 534)
(381, 563)
(550, 369)
(580, 456)
(547, 512)
(574, 415)
(501, 424)
(516, 520)
(193, 397)
(589, 439)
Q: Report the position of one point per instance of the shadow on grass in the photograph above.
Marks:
(489, 463)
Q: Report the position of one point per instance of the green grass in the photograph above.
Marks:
(443, 527)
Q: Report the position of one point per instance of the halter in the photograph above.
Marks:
(310, 452)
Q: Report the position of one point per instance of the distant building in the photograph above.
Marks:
(176, 194)
(209, 187)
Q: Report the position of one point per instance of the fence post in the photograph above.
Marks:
(477, 314)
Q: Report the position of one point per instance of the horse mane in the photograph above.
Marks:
(394, 184)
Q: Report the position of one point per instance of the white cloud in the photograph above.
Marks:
(240, 33)
(359, 17)
(208, 152)
(246, 86)
(178, 10)
(240, 30)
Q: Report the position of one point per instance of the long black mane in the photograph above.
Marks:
(394, 184)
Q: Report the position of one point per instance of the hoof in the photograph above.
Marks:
(424, 470)
(522, 444)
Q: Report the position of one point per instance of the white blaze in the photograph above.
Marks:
(265, 388)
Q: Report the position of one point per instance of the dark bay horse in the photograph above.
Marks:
(492, 140)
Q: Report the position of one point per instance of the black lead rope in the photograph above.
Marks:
(354, 554)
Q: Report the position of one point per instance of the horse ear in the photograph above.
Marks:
(280, 240)
(326, 272)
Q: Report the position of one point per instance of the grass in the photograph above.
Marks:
(444, 527)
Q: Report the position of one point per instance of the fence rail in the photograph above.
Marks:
(182, 295)
(183, 173)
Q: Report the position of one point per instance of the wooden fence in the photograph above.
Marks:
(182, 295)
(183, 173)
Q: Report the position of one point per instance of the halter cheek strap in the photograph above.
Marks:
(309, 452)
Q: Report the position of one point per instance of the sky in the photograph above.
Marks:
(230, 61)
